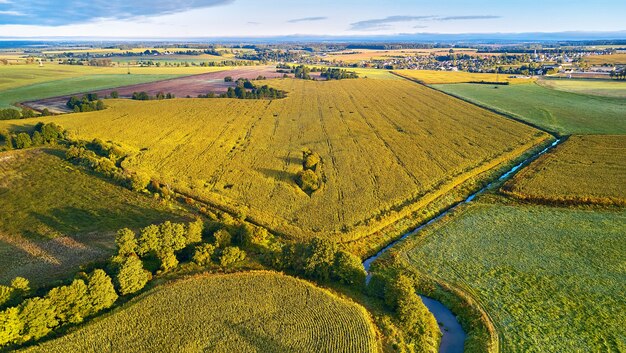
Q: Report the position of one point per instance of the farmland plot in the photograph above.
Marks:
(551, 279)
(386, 146)
(243, 312)
(55, 217)
(587, 169)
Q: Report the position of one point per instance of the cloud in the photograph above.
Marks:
(420, 26)
(11, 13)
(253, 23)
(458, 18)
(384, 23)
(308, 19)
(62, 12)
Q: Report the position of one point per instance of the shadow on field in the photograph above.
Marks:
(278, 175)
(264, 343)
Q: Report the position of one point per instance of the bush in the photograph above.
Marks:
(70, 302)
(100, 291)
(231, 255)
(38, 318)
(308, 181)
(126, 242)
(10, 326)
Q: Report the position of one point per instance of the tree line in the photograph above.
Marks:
(42, 134)
(245, 89)
(25, 113)
(144, 96)
(87, 103)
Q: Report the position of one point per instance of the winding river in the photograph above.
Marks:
(453, 335)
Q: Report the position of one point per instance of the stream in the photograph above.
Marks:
(453, 335)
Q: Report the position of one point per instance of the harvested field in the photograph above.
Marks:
(388, 147)
(615, 59)
(584, 169)
(243, 312)
(180, 87)
(55, 217)
(606, 88)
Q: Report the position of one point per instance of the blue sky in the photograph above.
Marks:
(220, 18)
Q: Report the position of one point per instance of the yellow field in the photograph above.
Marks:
(589, 169)
(441, 77)
(387, 146)
(607, 59)
(12, 76)
(367, 54)
(243, 312)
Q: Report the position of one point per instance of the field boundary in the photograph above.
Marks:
(486, 107)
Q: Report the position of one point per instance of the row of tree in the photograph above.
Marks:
(87, 103)
(36, 317)
(25, 113)
(144, 96)
(42, 134)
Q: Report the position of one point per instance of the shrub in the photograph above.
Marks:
(70, 302)
(348, 269)
(194, 231)
(168, 260)
(308, 181)
(10, 326)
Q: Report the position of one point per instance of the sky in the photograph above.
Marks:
(254, 18)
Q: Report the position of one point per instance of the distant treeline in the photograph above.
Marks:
(304, 72)
(87, 103)
(245, 89)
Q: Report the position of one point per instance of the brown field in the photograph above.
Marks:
(388, 147)
(616, 59)
(584, 169)
(180, 87)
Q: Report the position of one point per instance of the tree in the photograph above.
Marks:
(173, 236)
(131, 276)
(10, 326)
(22, 140)
(37, 139)
(70, 302)
(194, 231)
(203, 253)
(320, 259)
(348, 269)
(100, 291)
(222, 238)
(138, 181)
(115, 94)
(45, 112)
(51, 132)
(27, 113)
(231, 255)
(126, 242)
(21, 284)
(38, 317)
(168, 260)
(149, 240)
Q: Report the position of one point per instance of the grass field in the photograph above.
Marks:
(55, 217)
(562, 112)
(552, 279)
(12, 76)
(607, 59)
(386, 147)
(606, 88)
(589, 169)
(71, 86)
(243, 312)
(445, 77)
